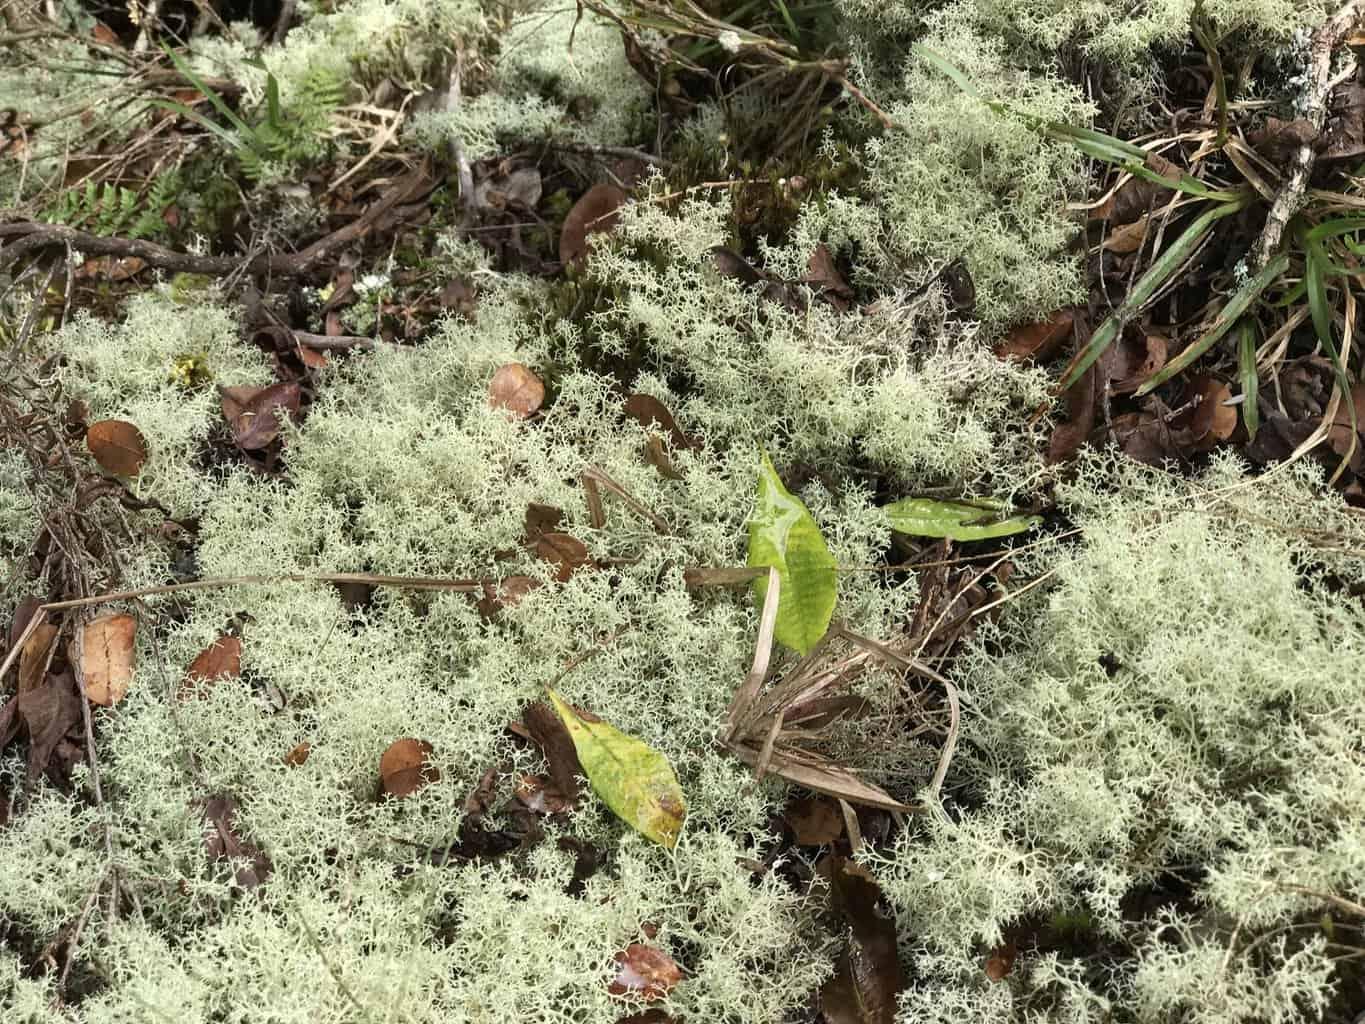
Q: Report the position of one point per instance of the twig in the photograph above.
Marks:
(624, 152)
(1325, 41)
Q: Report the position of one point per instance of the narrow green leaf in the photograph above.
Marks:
(1229, 315)
(783, 535)
(218, 103)
(630, 776)
(1246, 371)
(956, 520)
(179, 108)
(1147, 285)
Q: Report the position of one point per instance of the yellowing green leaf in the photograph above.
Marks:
(630, 777)
(956, 520)
(783, 535)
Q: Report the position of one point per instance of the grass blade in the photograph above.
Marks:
(1230, 314)
(1157, 274)
(1246, 372)
(217, 101)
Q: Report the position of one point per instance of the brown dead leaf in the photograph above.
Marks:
(656, 454)
(1081, 399)
(824, 277)
(33, 659)
(1144, 438)
(731, 264)
(539, 793)
(1001, 962)
(257, 414)
(1210, 421)
(541, 519)
(568, 554)
(646, 972)
(654, 1016)
(868, 976)
(1134, 360)
(504, 593)
(221, 659)
(649, 412)
(112, 268)
(1127, 238)
(105, 661)
(549, 732)
(118, 446)
(102, 33)
(1138, 195)
(1038, 341)
(221, 842)
(299, 754)
(405, 767)
(815, 821)
(596, 212)
(481, 799)
(50, 712)
(516, 389)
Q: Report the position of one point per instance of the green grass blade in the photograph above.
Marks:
(1335, 228)
(1230, 314)
(233, 141)
(217, 101)
(1246, 372)
(1157, 274)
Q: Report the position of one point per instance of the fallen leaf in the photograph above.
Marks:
(824, 276)
(815, 821)
(540, 794)
(550, 733)
(1143, 437)
(105, 661)
(1138, 195)
(49, 712)
(1339, 435)
(1081, 400)
(645, 972)
(568, 554)
(257, 414)
(1134, 361)
(1127, 238)
(221, 842)
(784, 535)
(649, 412)
(1211, 421)
(956, 520)
(1038, 341)
(1001, 962)
(221, 659)
(631, 778)
(868, 976)
(117, 446)
(405, 767)
(520, 187)
(656, 455)
(299, 754)
(102, 33)
(731, 264)
(33, 658)
(504, 593)
(596, 212)
(112, 268)
(27, 608)
(516, 389)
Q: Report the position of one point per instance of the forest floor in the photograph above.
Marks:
(663, 512)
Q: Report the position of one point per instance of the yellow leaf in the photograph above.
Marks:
(630, 777)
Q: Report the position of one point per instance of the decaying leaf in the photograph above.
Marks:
(1210, 421)
(630, 777)
(1135, 360)
(596, 212)
(956, 520)
(33, 659)
(1127, 238)
(551, 734)
(815, 821)
(516, 389)
(646, 972)
(868, 976)
(49, 711)
(1138, 195)
(1081, 401)
(406, 767)
(257, 414)
(568, 554)
(105, 661)
(1038, 341)
(504, 593)
(1001, 962)
(221, 842)
(221, 659)
(824, 277)
(118, 446)
(784, 535)
(298, 754)
(649, 412)
(539, 793)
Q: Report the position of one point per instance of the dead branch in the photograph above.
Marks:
(1325, 42)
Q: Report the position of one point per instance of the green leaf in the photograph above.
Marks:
(783, 535)
(630, 776)
(956, 520)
